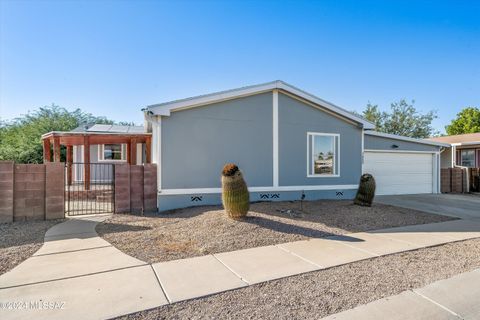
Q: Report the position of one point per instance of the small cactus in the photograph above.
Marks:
(235, 196)
(366, 190)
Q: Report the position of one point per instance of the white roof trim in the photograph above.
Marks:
(164, 109)
(469, 143)
(403, 138)
(90, 133)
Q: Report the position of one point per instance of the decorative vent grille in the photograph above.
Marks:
(269, 196)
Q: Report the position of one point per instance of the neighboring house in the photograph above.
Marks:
(286, 141)
(464, 150)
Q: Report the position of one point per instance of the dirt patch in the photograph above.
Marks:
(320, 293)
(20, 240)
(203, 230)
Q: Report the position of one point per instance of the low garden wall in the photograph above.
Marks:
(460, 180)
(31, 191)
(135, 188)
(474, 179)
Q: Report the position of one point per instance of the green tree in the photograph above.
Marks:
(374, 115)
(467, 121)
(20, 139)
(403, 119)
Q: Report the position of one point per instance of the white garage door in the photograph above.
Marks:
(400, 173)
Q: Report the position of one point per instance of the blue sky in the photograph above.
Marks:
(114, 57)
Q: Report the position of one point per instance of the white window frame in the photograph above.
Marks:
(474, 157)
(336, 155)
(101, 149)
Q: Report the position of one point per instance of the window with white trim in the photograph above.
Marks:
(468, 157)
(112, 152)
(323, 154)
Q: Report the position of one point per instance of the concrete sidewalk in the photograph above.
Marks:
(81, 276)
(93, 280)
(454, 298)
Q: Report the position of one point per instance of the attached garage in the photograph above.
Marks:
(401, 173)
(402, 165)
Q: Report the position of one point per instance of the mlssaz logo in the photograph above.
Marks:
(196, 198)
(269, 196)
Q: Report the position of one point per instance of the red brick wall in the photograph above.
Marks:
(135, 188)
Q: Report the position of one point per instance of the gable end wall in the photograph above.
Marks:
(198, 142)
(296, 118)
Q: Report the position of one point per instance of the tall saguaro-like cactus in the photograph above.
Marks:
(235, 196)
(366, 190)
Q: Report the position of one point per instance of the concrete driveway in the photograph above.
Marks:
(464, 206)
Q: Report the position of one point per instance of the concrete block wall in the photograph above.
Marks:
(6, 191)
(135, 188)
(122, 188)
(54, 190)
(457, 180)
(150, 187)
(31, 191)
(445, 179)
(453, 180)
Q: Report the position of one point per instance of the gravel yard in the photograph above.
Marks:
(19, 240)
(320, 293)
(203, 230)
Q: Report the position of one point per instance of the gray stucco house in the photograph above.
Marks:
(287, 143)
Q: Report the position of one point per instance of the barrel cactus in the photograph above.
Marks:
(366, 191)
(235, 197)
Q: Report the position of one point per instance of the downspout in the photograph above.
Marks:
(465, 169)
(148, 119)
(153, 124)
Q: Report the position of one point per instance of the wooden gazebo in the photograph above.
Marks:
(53, 140)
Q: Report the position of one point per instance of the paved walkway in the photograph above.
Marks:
(90, 279)
(454, 298)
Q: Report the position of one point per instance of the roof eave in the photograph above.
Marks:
(408, 139)
(164, 109)
(66, 133)
(468, 143)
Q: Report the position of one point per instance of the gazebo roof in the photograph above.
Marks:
(109, 128)
(103, 130)
(99, 134)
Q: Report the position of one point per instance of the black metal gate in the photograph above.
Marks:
(89, 188)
